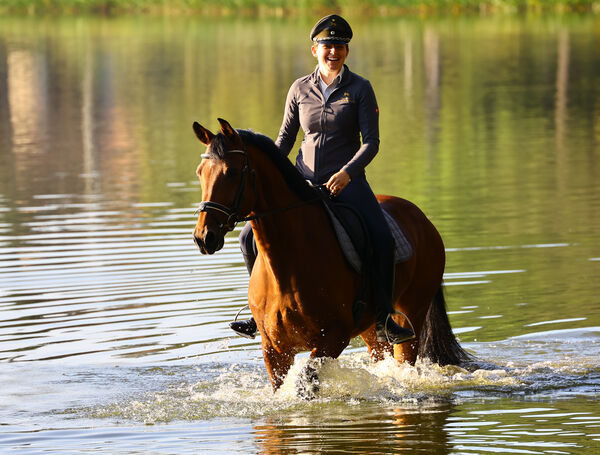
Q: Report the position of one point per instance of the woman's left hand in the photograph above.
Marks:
(337, 182)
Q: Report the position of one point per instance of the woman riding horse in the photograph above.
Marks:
(335, 107)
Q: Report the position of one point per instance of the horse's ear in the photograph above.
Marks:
(226, 129)
(203, 134)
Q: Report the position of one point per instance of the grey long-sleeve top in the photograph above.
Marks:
(332, 128)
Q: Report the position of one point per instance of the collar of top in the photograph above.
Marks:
(335, 80)
(331, 29)
(342, 77)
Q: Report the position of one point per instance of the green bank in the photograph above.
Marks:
(295, 7)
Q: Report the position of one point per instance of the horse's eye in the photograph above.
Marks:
(231, 173)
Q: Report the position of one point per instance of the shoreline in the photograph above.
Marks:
(281, 8)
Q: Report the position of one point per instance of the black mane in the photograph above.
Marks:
(266, 145)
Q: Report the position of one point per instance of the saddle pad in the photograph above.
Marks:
(403, 250)
(403, 247)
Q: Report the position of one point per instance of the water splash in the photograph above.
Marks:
(243, 390)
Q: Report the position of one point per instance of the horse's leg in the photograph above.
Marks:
(331, 346)
(307, 382)
(414, 303)
(407, 352)
(277, 362)
(377, 349)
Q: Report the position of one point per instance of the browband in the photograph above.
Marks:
(209, 156)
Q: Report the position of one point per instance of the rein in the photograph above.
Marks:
(233, 216)
(282, 209)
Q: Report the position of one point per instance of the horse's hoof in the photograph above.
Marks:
(307, 384)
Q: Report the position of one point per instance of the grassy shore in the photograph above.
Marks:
(294, 7)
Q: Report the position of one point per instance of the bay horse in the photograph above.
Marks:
(301, 288)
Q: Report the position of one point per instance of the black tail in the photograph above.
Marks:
(437, 341)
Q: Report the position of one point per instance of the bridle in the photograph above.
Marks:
(232, 213)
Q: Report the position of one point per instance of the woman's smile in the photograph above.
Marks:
(331, 57)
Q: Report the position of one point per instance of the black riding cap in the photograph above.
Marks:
(332, 29)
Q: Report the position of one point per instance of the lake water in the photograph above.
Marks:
(114, 329)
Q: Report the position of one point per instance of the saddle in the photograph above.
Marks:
(354, 241)
(353, 238)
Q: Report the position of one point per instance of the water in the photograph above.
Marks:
(113, 336)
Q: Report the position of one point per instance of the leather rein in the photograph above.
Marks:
(232, 213)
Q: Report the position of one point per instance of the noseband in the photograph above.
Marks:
(232, 213)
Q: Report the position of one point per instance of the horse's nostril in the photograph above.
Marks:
(210, 241)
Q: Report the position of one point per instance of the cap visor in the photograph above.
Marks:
(332, 41)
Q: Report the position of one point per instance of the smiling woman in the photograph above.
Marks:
(331, 58)
(338, 113)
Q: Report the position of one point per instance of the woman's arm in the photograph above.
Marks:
(368, 122)
(290, 124)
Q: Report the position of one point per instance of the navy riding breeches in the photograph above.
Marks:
(358, 194)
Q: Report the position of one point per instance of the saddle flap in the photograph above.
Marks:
(352, 235)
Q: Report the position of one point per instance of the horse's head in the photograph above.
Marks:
(223, 174)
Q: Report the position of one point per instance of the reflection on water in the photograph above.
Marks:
(101, 283)
(114, 332)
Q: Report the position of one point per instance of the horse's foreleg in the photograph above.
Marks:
(307, 383)
(278, 363)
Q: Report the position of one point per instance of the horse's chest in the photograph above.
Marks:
(287, 318)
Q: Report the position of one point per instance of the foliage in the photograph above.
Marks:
(280, 7)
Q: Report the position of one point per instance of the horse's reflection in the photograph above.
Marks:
(373, 428)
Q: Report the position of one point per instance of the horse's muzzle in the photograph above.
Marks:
(208, 241)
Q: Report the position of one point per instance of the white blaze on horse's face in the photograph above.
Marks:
(210, 171)
(222, 177)
(208, 234)
(221, 183)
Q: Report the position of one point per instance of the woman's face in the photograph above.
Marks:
(331, 57)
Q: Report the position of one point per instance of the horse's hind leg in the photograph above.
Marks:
(414, 303)
(377, 349)
(407, 352)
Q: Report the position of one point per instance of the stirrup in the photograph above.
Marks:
(385, 328)
(240, 329)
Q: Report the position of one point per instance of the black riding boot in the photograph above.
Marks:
(383, 284)
(388, 330)
(249, 260)
(248, 327)
(245, 328)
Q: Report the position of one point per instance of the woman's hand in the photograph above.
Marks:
(337, 182)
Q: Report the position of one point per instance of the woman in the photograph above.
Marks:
(335, 107)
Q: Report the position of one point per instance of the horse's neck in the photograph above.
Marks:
(286, 237)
